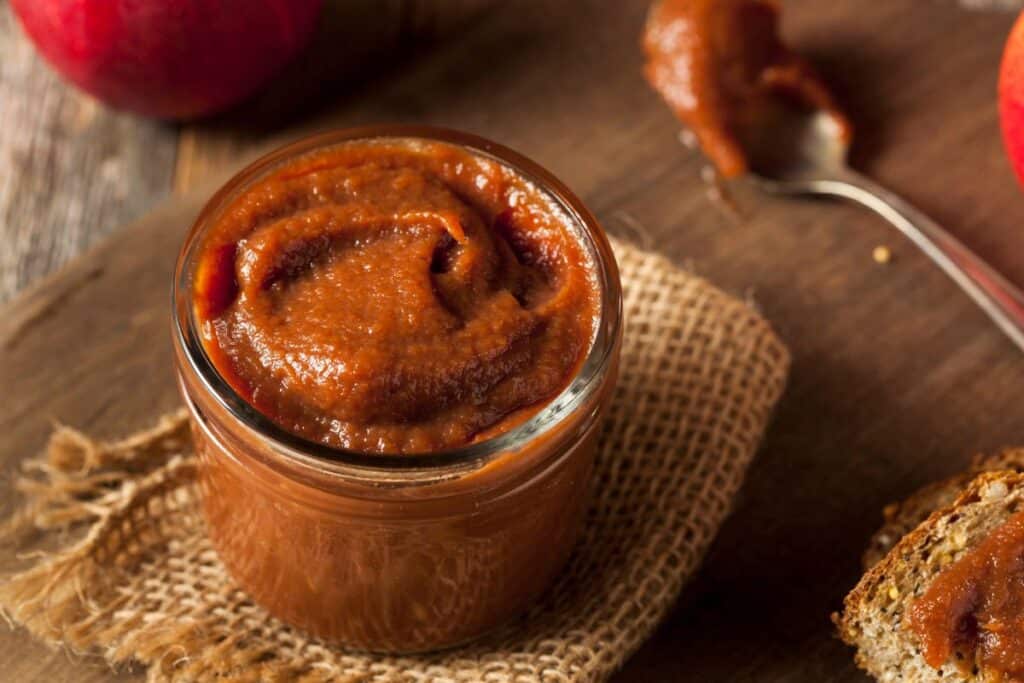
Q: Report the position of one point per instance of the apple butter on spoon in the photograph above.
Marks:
(759, 110)
(721, 66)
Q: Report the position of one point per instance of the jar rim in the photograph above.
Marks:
(307, 453)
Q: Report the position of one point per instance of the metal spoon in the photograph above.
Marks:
(804, 153)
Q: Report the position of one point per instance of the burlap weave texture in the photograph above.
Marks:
(701, 372)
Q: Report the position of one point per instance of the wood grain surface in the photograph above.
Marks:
(70, 170)
(897, 377)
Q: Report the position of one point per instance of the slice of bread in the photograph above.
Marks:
(901, 517)
(872, 619)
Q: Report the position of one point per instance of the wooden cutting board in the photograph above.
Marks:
(897, 378)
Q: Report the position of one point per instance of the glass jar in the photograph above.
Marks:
(396, 553)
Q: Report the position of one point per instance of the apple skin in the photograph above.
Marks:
(170, 59)
(1011, 97)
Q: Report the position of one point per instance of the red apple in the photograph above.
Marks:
(172, 59)
(1011, 97)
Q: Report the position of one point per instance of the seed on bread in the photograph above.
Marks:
(996, 490)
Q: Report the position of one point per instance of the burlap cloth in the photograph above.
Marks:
(700, 374)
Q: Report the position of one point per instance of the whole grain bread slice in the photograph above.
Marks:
(872, 619)
(901, 517)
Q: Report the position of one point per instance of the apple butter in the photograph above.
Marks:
(973, 611)
(396, 345)
(394, 296)
(721, 66)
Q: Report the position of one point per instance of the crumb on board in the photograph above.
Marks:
(882, 254)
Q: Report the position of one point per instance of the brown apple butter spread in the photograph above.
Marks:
(973, 611)
(394, 296)
(720, 65)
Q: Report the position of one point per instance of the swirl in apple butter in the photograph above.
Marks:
(395, 296)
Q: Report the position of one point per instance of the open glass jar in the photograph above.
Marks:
(389, 552)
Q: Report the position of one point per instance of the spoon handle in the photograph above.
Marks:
(1002, 301)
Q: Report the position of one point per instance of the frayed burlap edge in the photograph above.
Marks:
(701, 372)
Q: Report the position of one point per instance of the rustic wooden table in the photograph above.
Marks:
(896, 380)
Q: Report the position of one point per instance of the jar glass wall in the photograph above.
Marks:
(386, 552)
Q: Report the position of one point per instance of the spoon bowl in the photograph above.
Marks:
(796, 145)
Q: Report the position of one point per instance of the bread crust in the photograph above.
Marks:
(902, 516)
